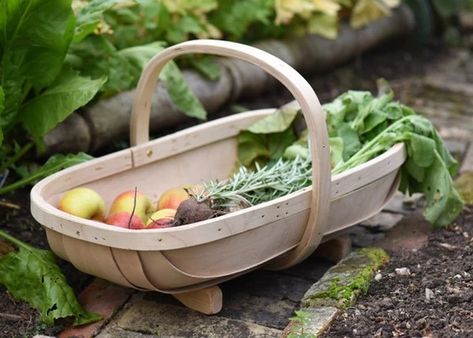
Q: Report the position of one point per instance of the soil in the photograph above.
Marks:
(391, 61)
(434, 300)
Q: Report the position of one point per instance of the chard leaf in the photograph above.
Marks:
(277, 122)
(34, 38)
(46, 110)
(350, 139)
(422, 150)
(32, 275)
(180, 92)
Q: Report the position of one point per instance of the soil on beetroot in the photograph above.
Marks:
(434, 300)
(392, 61)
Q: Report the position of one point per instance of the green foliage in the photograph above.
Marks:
(361, 127)
(32, 275)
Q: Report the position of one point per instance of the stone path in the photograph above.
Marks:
(260, 304)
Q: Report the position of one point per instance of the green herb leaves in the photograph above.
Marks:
(32, 275)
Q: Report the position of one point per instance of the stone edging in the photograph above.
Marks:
(336, 290)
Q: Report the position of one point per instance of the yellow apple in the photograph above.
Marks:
(171, 198)
(83, 202)
(126, 201)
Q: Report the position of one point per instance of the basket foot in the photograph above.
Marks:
(334, 249)
(207, 300)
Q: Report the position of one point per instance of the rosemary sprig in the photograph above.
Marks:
(250, 187)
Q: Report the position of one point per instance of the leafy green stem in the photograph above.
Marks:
(13, 240)
(16, 157)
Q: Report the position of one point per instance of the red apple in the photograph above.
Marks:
(125, 202)
(83, 202)
(171, 198)
(124, 219)
(163, 218)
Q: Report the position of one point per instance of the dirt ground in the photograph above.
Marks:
(429, 295)
(392, 61)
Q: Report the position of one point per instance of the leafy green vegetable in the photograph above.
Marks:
(66, 94)
(90, 16)
(53, 164)
(361, 127)
(34, 38)
(32, 275)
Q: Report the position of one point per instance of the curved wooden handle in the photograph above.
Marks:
(299, 88)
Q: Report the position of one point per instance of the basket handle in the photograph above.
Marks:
(299, 88)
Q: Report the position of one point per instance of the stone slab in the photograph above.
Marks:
(112, 331)
(382, 221)
(362, 236)
(167, 320)
(263, 311)
(311, 269)
(344, 282)
(270, 284)
(411, 233)
(317, 320)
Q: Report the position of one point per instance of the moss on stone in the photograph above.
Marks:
(343, 293)
(464, 185)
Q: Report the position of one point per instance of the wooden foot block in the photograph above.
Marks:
(334, 249)
(208, 300)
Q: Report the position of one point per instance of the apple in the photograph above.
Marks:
(122, 219)
(83, 202)
(125, 202)
(163, 218)
(171, 198)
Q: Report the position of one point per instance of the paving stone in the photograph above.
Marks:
(100, 297)
(318, 320)
(112, 331)
(263, 311)
(311, 269)
(382, 221)
(411, 233)
(467, 164)
(342, 283)
(270, 284)
(167, 320)
(362, 237)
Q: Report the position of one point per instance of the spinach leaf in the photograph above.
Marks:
(32, 275)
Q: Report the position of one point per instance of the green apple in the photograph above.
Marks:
(83, 202)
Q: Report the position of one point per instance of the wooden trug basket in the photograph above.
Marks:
(190, 260)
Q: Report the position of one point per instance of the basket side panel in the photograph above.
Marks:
(56, 243)
(129, 264)
(242, 251)
(361, 204)
(94, 259)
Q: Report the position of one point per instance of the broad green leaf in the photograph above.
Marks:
(350, 139)
(277, 122)
(90, 16)
(140, 55)
(67, 94)
(33, 276)
(422, 150)
(252, 148)
(205, 65)
(235, 17)
(180, 93)
(34, 38)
